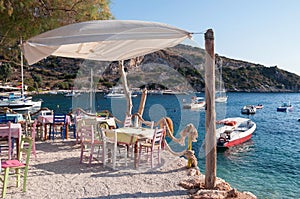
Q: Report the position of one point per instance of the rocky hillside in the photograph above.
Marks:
(179, 68)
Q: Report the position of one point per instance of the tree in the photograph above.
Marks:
(26, 18)
(5, 71)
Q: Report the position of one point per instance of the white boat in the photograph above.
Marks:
(234, 131)
(248, 109)
(19, 103)
(196, 103)
(285, 107)
(72, 94)
(117, 92)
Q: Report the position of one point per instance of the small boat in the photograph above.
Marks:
(196, 103)
(248, 109)
(117, 92)
(72, 94)
(285, 107)
(234, 131)
(259, 106)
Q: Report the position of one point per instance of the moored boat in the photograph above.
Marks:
(248, 109)
(196, 103)
(234, 131)
(285, 107)
(259, 106)
(20, 103)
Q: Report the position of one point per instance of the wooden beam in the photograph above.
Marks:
(210, 117)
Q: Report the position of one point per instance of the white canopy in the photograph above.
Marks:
(105, 40)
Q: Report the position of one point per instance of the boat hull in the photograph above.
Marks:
(230, 136)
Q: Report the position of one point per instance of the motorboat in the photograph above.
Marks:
(72, 94)
(117, 92)
(20, 103)
(196, 103)
(259, 106)
(285, 107)
(248, 109)
(234, 131)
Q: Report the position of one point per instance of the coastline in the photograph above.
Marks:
(56, 173)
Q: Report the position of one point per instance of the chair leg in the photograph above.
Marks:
(5, 182)
(81, 153)
(91, 154)
(25, 178)
(18, 177)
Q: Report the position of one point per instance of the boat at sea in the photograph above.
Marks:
(196, 103)
(248, 109)
(117, 92)
(285, 107)
(19, 103)
(72, 94)
(234, 131)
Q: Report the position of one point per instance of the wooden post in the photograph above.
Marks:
(141, 107)
(125, 87)
(210, 120)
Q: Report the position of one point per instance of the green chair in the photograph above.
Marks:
(17, 165)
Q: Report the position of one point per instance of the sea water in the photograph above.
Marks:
(268, 165)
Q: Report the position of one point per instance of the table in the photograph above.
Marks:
(16, 132)
(139, 133)
(48, 119)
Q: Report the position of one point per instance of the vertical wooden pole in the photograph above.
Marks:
(141, 107)
(210, 120)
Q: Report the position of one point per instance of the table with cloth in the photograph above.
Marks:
(48, 120)
(135, 134)
(16, 132)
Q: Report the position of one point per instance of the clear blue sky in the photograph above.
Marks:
(265, 32)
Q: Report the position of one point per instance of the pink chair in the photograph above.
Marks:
(154, 145)
(90, 139)
(127, 121)
(33, 135)
(7, 127)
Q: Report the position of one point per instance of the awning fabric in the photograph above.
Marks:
(105, 40)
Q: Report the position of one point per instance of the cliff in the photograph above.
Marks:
(185, 63)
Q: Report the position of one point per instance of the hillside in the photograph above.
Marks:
(188, 73)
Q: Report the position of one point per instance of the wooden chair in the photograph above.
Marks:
(90, 139)
(127, 121)
(58, 126)
(17, 165)
(111, 147)
(10, 144)
(153, 145)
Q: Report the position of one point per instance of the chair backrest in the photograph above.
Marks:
(59, 118)
(127, 121)
(158, 137)
(25, 150)
(87, 133)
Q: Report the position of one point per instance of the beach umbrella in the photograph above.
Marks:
(104, 40)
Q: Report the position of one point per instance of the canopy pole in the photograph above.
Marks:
(125, 87)
(210, 120)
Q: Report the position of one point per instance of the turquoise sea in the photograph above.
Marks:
(268, 165)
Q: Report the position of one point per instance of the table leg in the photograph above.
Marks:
(136, 154)
(67, 130)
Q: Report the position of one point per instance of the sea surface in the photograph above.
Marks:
(268, 165)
